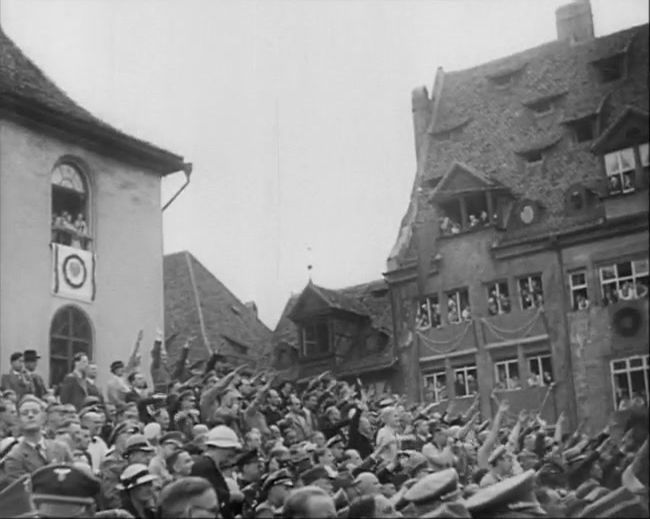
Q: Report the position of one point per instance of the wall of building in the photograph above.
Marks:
(468, 261)
(594, 340)
(126, 223)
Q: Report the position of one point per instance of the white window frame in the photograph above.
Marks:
(575, 287)
(538, 359)
(430, 301)
(465, 370)
(628, 370)
(456, 296)
(497, 287)
(430, 380)
(619, 171)
(617, 280)
(507, 364)
(529, 284)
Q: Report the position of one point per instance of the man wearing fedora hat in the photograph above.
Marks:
(30, 358)
(138, 496)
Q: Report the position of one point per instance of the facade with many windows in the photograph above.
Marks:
(80, 227)
(521, 265)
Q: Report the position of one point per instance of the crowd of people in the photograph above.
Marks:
(213, 440)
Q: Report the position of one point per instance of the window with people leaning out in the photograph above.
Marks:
(452, 220)
(435, 387)
(498, 298)
(578, 290)
(465, 381)
(428, 313)
(458, 309)
(508, 378)
(623, 168)
(531, 294)
(624, 280)
(69, 207)
(630, 381)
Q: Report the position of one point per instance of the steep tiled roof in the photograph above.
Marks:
(196, 302)
(501, 126)
(25, 88)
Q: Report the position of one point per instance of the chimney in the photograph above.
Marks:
(421, 115)
(252, 307)
(574, 22)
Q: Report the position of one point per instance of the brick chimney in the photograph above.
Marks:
(575, 22)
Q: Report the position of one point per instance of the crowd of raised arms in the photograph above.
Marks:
(221, 441)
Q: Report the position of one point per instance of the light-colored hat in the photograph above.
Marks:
(152, 431)
(222, 437)
(135, 475)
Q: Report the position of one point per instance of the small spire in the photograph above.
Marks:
(310, 267)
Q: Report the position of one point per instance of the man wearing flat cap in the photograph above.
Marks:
(64, 491)
(30, 358)
(17, 380)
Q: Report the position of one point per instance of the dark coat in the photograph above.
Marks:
(206, 468)
(73, 391)
(21, 384)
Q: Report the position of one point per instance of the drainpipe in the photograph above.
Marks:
(573, 411)
(187, 169)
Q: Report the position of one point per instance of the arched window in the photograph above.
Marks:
(70, 333)
(70, 206)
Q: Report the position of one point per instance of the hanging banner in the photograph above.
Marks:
(73, 272)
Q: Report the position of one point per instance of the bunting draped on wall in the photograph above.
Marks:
(515, 333)
(73, 273)
(447, 346)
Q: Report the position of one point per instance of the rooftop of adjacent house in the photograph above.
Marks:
(485, 118)
(369, 300)
(197, 303)
(26, 91)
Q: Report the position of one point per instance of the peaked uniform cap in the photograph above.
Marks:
(279, 477)
(137, 443)
(449, 510)
(64, 484)
(433, 487)
(135, 475)
(497, 497)
(314, 474)
(334, 440)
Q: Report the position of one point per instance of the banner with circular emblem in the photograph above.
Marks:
(73, 272)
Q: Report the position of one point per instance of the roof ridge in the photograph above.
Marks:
(197, 299)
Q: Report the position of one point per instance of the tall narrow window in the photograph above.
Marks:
(70, 207)
(630, 381)
(458, 309)
(531, 293)
(624, 280)
(620, 168)
(428, 314)
(506, 375)
(465, 383)
(578, 288)
(70, 333)
(316, 339)
(540, 370)
(498, 298)
(435, 386)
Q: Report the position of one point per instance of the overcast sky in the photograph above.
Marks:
(295, 114)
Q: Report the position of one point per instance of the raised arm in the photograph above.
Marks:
(485, 450)
(135, 358)
(179, 369)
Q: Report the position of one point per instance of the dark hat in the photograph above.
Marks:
(127, 426)
(417, 462)
(16, 356)
(314, 474)
(91, 400)
(499, 498)
(279, 477)
(432, 487)
(251, 456)
(333, 441)
(137, 443)
(69, 484)
(175, 437)
(30, 355)
(115, 365)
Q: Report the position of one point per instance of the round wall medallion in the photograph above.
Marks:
(527, 214)
(627, 321)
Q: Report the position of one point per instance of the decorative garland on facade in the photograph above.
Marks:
(520, 332)
(455, 342)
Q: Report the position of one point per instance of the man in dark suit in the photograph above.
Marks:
(17, 379)
(31, 360)
(74, 389)
(33, 451)
(221, 446)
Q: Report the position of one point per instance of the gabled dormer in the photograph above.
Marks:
(467, 200)
(623, 147)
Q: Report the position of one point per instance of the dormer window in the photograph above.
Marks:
(583, 129)
(542, 107)
(316, 339)
(620, 167)
(533, 157)
(611, 68)
(502, 80)
(466, 213)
